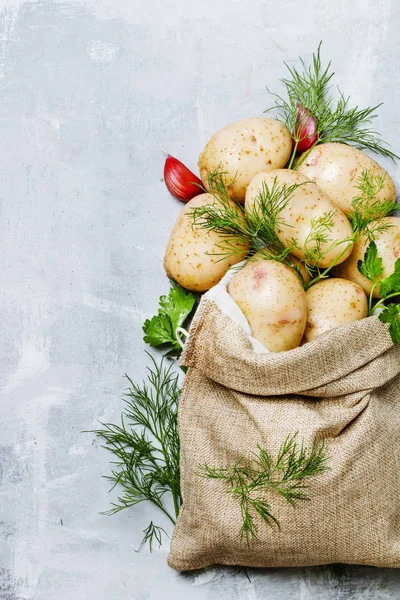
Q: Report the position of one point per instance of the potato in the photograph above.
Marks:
(260, 255)
(273, 301)
(388, 246)
(191, 256)
(306, 203)
(244, 149)
(332, 303)
(335, 168)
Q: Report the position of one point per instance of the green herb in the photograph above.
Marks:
(318, 241)
(173, 312)
(251, 481)
(224, 217)
(265, 220)
(368, 211)
(391, 285)
(152, 533)
(257, 227)
(240, 229)
(145, 447)
(336, 121)
(391, 315)
(366, 217)
(372, 268)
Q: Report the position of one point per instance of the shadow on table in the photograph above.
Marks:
(333, 582)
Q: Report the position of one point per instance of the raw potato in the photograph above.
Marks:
(244, 149)
(335, 168)
(190, 258)
(388, 246)
(332, 303)
(306, 203)
(297, 262)
(273, 301)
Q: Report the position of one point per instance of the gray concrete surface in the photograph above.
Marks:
(89, 92)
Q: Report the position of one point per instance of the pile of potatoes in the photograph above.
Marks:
(281, 314)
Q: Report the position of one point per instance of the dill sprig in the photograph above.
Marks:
(319, 236)
(242, 229)
(225, 217)
(264, 217)
(368, 211)
(336, 121)
(146, 446)
(307, 87)
(152, 533)
(257, 226)
(252, 481)
(366, 218)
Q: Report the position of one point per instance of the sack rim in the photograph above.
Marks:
(333, 355)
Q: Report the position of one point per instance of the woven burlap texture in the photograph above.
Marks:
(344, 388)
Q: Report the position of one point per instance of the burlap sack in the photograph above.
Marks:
(344, 388)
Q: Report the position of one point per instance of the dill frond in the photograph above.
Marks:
(223, 216)
(336, 121)
(145, 446)
(368, 211)
(257, 227)
(318, 236)
(252, 482)
(244, 230)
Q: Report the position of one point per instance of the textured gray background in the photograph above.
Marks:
(89, 92)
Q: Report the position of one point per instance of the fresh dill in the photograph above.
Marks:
(152, 533)
(366, 216)
(310, 86)
(223, 216)
(257, 227)
(265, 220)
(318, 242)
(244, 230)
(252, 482)
(367, 209)
(146, 447)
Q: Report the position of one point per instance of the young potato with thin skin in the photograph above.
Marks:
(336, 168)
(261, 255)
(306, 203)
(388, 247)
(332, 303)
(191, 256)
(243, 149)
(273, 300)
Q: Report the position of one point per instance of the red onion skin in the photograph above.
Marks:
(306, 129)
(180, 181)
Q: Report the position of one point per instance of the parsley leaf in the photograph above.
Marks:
(391, 315)
(173, 312)
(391, 285)
(371, 267)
